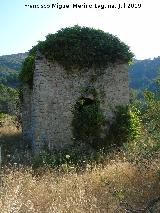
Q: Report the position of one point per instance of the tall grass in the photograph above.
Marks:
(124, 181)
(118, 186)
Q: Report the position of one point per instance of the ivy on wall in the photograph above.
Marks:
(88, 119)
(26, 74)
(77, 48)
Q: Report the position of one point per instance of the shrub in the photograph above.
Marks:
(84, 47)
(26, 74)
(88, 121)
(78, 47)
(9, 100)
(126, 125)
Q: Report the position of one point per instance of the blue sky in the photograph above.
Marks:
(21, 27)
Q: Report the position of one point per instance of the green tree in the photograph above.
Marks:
(9, 100)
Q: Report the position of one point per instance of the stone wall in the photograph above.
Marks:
(47, 113)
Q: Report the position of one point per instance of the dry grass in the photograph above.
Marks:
(118, 186)
(10, 135)
(99, 190)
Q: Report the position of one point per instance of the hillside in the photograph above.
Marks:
(142, 73)
(13, 61)
(10, 66)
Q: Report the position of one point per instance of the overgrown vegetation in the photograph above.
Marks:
(9, 77)
(77, 48)
(114, 183)
(90, 126)
(9, 100)
(88, 119)
(80, 179)
(126, 126)
(148, 144)
(26, 74)
(117, 187)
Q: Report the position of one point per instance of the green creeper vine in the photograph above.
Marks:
(26, 74)
(76, 48)
(88, 120)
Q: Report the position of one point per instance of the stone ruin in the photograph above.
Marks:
(47, 107)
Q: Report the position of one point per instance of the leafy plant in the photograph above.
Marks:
(26, 74)
(9, 100)
(84, 47)
(78, 47)
(126, 125)
(88, 121)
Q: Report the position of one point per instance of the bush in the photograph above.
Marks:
(125, 127)
(84, 47)
(9, 100)
(26, 74)
(78, 47)
(88, 121)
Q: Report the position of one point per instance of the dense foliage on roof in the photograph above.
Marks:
(81, 47)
